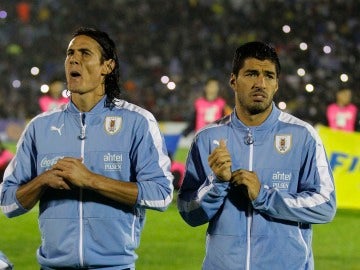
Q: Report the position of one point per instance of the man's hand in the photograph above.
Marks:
(248, 179)
(73, 171)
(54, 180)
(220, 162)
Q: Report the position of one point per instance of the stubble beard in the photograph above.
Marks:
(257, 107)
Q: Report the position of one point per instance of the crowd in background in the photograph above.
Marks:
(187, 40)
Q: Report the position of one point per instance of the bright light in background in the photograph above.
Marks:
(44, 88)
(286, 29)
(309, 88)
(303, 46)
(344, 77)
(16, 83)
(171, 85)
(282, 105)
(34, 71)
(165, 79)
(301, 72)
(3, 14)
(327, 49)
(65, 93)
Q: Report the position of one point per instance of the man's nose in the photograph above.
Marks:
(260, 82)
(73, 59)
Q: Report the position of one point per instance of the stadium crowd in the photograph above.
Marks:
(187, 40)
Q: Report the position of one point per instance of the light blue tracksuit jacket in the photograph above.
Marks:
(297, 190)
(80, 228)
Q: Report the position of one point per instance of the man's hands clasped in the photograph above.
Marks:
(68, 172)
(220, 163)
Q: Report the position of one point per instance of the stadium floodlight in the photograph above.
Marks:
(309, 88)
(44, 88)
(282, 105)
(327, 49)
(164, 79)
(34, 71)
(303, 46)
(16, 83)
(171, 85)
(344, 77)
(301, 72)
(286, 29)
(3, 14)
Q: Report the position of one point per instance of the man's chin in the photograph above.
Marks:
(258, 107)
(74, 90)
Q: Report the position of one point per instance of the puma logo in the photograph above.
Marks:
(58, 129)
(216, 142)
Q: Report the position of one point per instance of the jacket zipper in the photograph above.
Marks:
(81, 238)
(133, 229)
(303, 240)
(249, 140)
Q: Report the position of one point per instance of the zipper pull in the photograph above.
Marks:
(249, 139)
(82, 135)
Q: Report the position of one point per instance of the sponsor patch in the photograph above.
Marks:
(113, 162)
(47, 163)
(112, 124)
(283, 143)
(281, 180)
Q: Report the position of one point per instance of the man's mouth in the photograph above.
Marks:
(259, 97)
(75, 74)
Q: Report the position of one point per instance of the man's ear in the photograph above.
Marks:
(277, 85)
(232, 80)
(108, 66)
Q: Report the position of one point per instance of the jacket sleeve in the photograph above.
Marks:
(314, 201)
(201, 195)
(152, 165)
(20, 170)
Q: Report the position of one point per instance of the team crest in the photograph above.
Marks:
(113, 124)
(283, 143)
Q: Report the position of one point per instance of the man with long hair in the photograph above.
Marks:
(94, 165)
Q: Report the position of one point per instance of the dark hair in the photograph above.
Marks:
(258, 50)
(108, 51)
(212, 78)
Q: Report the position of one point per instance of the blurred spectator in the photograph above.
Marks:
(207, 108)
(23, 9)
(5, 158)
(193, 43)
(54, 97)
(178, 171)
(342, 114)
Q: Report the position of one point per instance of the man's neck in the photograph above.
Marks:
(85, 103)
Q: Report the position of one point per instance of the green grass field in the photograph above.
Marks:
(168, 243)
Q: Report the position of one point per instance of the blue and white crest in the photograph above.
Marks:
(112, 124)
(283, 143)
